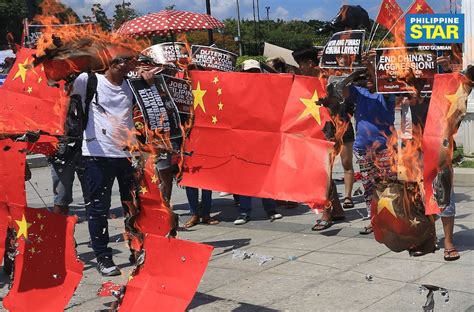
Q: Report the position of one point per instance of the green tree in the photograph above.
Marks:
(99, 16)
(123, 13)
(12, 13)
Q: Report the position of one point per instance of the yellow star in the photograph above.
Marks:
(41, 227)
(311, 108)
(154, 179)
(30, 89)
(40, 79)
(414, 222)
(221, 106)
(216, 80)
(143, 190)
(219, 91)
(42, 68)
(40, 216)
(214, 119)
(22, 227)
(22, 69)
(419, 7)
(457, 101)
(386, 202)
(198, 97)
(39, 239)
(387, 6)
(32, 250)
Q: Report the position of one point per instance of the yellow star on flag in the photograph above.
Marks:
(40, 79)
(311, 108)
(32, 250)
(219, 91)
(387, 6)
(214, 119)
(216, 80)
(456, 100)
(40, 216)
(41, 227)
(42, 68)
(22, 227)
(30, 89)
(39, 239)
(221, 106)
(143, 190)
(154, 179)
(419, 7)
(22, 69)
(414, 222)
(198, 97)
(386, 202)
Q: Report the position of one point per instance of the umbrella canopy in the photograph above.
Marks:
(163, 22)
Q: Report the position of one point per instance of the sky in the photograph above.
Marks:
(282, 9)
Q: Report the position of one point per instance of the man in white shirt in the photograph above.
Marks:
(108, 137)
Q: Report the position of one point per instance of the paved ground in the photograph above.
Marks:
(309, 271)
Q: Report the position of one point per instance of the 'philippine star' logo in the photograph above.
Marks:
(434, 28)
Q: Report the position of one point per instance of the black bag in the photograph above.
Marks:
(76, 120)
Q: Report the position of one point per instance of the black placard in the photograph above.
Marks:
(213, 58)
(344, 50)
(181, 92)
(159, 112)
(167, 52)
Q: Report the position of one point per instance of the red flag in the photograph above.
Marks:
(259, 135)
(389, 13)
(448, 100)
(169, 276)
(28, 103)
(12, 169)
(155, 216)
(417, 7)
(47, 270)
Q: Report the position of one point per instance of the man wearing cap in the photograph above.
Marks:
(107, 138)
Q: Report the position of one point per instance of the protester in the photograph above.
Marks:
(200, 212)
(105, 154)
(308, 61)
(245, 207)
(374, 116)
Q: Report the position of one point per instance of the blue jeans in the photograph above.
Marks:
(100, 173)
(62, 173)
(269, 205)
(193, 200)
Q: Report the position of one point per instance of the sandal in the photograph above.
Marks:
(367, 230)
(192, 222)
(321, 225)
(210, 221)
(451, 254)
(348, 203)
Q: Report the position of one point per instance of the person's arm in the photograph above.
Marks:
(342, 87)
(368, 60)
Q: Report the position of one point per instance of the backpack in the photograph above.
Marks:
(76, 120)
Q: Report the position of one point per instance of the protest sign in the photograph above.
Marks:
(159, 112)
(344, 50)
(213, 58)
(181, 93)
(34, 32)
(392, 65)
(167, 52)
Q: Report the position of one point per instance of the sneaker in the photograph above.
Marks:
(242, 219)
(107, 267)
(223, 194)
(274, 215)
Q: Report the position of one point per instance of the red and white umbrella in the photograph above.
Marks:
(164, 22)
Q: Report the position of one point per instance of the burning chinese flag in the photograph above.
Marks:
(389, 13)
(28, 103)
(447, 108)
(47, 270)
(155, 216)
(259, 135)
(417, 7)
(169, 276)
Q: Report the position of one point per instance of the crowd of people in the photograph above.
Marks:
(98, 156)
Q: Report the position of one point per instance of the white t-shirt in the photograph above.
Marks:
(110, 124)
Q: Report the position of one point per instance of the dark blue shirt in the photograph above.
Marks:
(374, 115)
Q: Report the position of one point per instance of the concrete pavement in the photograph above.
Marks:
(335, 270)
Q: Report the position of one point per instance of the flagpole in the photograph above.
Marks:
(373, 37)
(391, 28)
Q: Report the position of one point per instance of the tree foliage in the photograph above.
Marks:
(123, 13)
